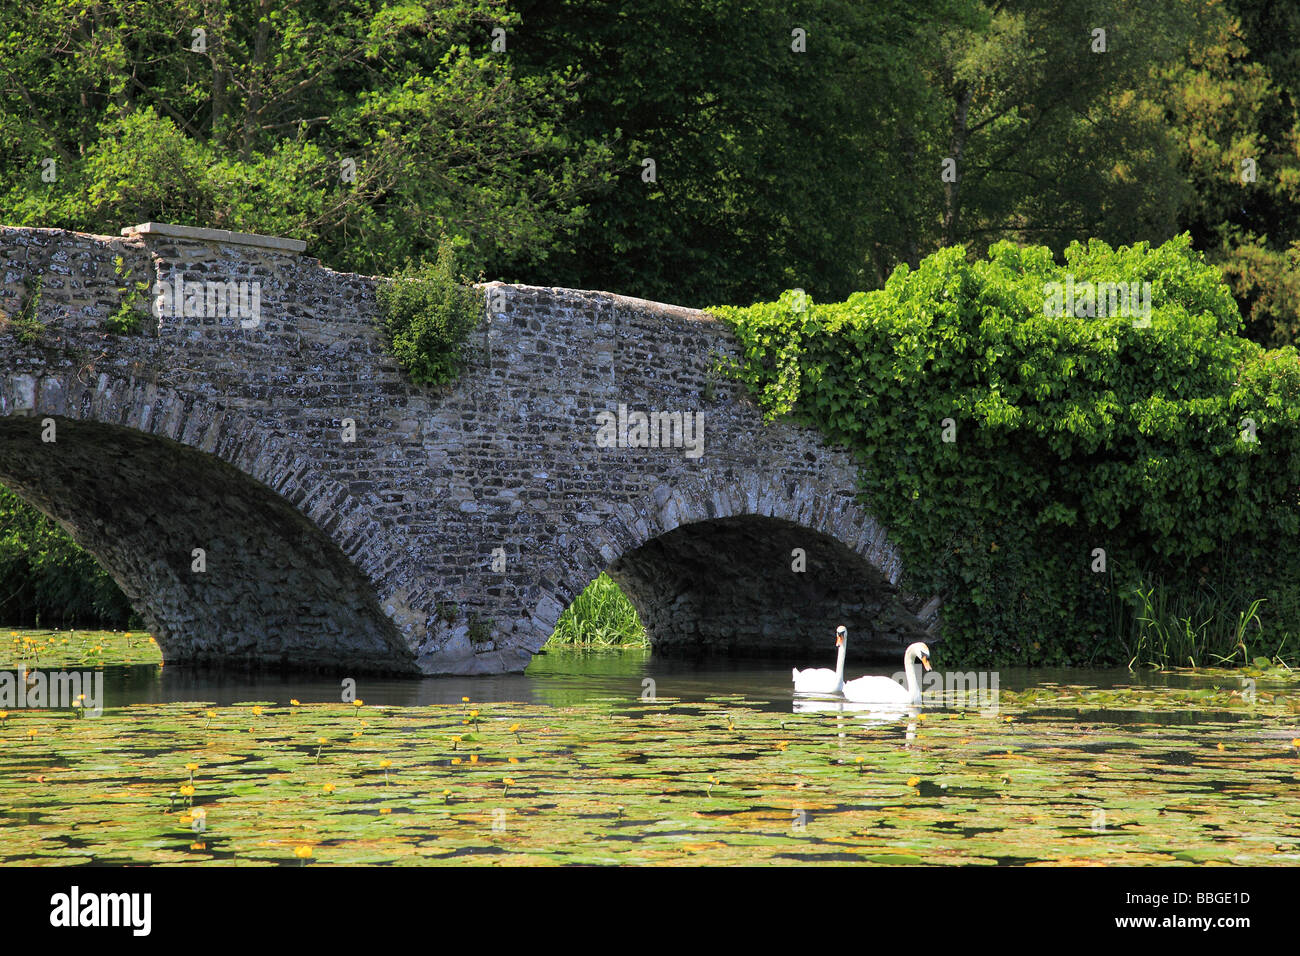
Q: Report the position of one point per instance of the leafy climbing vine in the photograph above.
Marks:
(1030, 464)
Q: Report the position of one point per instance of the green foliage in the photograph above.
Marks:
(1172, 627)
(46, 579)
(480, 629)
(775, 168)
(1233, 108)
(1072, 434)
(428, 314)
(600, 616)
(29, 328)
(772, 167)
(255, 132)
(128, 318)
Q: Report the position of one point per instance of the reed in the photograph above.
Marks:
(1201, 627)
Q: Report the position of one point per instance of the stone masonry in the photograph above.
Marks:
(204, 461)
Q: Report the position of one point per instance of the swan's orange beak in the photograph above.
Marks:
(839, 639)
(925, 662)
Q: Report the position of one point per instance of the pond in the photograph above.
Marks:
(582, 761)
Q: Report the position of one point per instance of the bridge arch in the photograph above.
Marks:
(141, 475)
(757, 564)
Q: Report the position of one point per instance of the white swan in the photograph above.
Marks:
(887, 690)
(820, 680)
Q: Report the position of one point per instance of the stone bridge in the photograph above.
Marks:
(269, 488)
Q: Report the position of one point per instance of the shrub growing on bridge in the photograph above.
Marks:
(428, 314)
(1002, 445)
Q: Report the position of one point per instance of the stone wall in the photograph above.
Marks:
(476, 510)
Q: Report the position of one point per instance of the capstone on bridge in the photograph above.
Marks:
(268, 487)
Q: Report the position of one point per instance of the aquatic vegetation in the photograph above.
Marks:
(1205, 627)
(56, 648)
(1196, 768)
(656, 782)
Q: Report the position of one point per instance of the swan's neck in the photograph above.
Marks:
(839, 660)
(909, 668)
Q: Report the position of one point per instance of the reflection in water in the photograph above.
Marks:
(866, 713)
(569, 676)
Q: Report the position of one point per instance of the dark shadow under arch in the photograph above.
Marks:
(276, 592)
(753, 585)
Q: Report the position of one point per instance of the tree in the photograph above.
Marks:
(1232, 105)
(367, 128)
(778, 141)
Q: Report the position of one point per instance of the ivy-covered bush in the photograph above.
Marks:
(428, 312)
(1034, 467)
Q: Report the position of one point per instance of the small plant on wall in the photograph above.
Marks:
(480, 629)
(29, 328)
(428, 311)
(128, 318)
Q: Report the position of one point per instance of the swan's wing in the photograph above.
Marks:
(816, 680)
(874, 689)
(814, 674)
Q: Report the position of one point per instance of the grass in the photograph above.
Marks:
(601, 616)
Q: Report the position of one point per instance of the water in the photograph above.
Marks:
(576, 761)
(568, 676)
